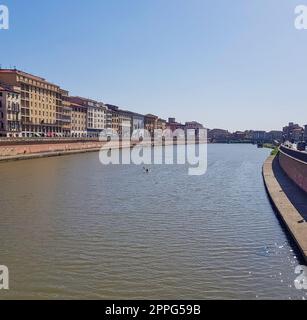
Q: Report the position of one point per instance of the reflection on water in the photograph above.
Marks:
(72, 228)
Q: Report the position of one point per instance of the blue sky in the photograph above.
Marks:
(229, 64)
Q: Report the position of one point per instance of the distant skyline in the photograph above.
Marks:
(233, 65)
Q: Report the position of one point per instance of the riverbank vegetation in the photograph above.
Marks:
(275, 151)
(269, 145)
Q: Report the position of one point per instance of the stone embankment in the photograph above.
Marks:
(289, 200)
(39, 149)
(10, 150)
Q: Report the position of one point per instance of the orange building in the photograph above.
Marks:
(41, 103)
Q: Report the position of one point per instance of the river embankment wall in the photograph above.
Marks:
(294, 164)
(286, 210)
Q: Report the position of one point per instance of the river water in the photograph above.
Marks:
(72, 228)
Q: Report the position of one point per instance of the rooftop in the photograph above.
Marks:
(28, 75)
(151, 116)
(112, 107)
(82, 99)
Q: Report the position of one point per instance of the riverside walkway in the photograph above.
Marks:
(289, 200)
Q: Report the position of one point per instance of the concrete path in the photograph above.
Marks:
(294, 193)
(289, 200)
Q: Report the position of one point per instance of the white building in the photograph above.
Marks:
(10, 115)
(96, 119)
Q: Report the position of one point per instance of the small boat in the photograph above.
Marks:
(259, 145)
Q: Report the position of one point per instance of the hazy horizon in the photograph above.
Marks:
(235, 66)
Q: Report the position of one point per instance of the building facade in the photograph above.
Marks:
(66, 116)
(161, 124)
(125, 123)
(298, 135)
(10, 112)
(151, 123)
(239, 136)
(193, 125)
(113, 115)
(41, 103)
(293, 132)
(274, 135)
(219, 135)
(259, 136)
(108, 119)
(137, 121)
(78, 120)
(173, 125)
(96, 115)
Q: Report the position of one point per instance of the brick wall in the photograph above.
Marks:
(43, 148)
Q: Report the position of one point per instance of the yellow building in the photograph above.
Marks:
(113, 111)
(67, 113)
(41, 103)
(78, 119)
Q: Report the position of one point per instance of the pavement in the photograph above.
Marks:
(289, 201)
(294, 193)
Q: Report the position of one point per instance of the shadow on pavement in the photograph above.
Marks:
(296, 195)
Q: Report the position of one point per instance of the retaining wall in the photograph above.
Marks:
(10, 151)
(294, 163)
